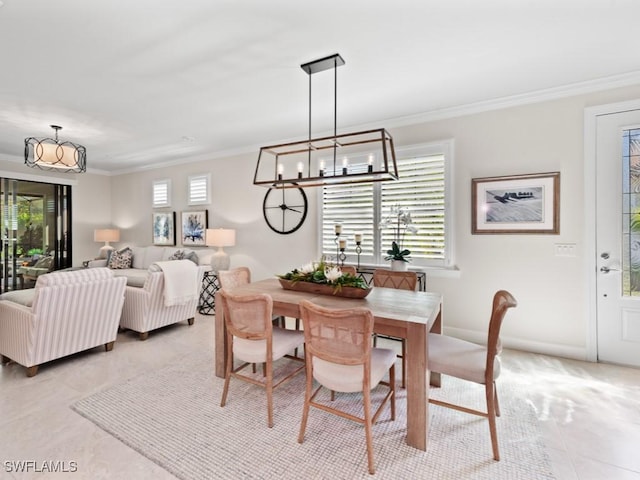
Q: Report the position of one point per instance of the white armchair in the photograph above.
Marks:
(69, 312)
(145, 310)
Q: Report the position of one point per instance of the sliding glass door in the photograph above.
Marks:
(36, 230)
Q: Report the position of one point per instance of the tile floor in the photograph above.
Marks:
(589, 413)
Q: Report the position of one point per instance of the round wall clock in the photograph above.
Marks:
(285, 209)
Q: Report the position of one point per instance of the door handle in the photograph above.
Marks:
(607, 269)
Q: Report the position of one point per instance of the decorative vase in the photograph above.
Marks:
(399, 266)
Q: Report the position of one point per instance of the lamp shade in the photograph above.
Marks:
(220, 237)
(106, 235)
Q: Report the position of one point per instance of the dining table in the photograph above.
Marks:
(398, 313)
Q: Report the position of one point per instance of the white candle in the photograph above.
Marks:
(343, 244)
(358, 237)
(338, 228)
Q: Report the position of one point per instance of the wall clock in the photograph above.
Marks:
(285, 209)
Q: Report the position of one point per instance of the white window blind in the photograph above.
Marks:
(162, 193)
(370, 209)
(198, 189)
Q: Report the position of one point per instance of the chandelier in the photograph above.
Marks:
(359, 157)
(52, 154)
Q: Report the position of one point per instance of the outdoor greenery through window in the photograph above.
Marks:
(411, 211)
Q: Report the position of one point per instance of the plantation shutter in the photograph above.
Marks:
(161, 193)
(420, 191)
(198, 189)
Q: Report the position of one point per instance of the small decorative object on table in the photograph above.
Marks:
(326, 279)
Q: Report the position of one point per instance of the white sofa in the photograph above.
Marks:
(144, 257)
(66, 313)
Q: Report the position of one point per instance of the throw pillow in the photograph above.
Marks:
(121, 259)
(183, 255)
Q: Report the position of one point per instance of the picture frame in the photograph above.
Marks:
(516, 204)
(164, 228)
(194, 227)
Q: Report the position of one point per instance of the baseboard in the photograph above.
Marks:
(554, 349)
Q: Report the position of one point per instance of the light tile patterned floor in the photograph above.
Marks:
(590, 413)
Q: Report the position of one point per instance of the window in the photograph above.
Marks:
(198, 189)
(162, 193)
(372, 209)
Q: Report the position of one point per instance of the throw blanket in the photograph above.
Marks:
(180, 281)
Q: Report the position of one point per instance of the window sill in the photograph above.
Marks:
(438, 272)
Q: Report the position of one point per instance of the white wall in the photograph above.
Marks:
(551, 316)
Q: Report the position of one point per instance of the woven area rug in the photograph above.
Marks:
(173, 417)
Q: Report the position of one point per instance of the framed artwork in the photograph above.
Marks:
(516, 204)
(164, 228)
(194, 227)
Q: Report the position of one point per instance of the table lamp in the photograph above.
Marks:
(106, 235)
(220, 237)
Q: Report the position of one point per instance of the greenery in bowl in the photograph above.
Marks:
(324, 273)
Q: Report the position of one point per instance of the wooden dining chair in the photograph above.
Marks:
(339, 357)
(234, 277)
(252, 338)
(401, 281)
(475, 363)
(351, 270)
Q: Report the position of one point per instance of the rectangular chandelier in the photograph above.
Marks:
(359, 157)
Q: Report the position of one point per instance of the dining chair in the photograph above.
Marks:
(351, 270)
(475, 363)
(234, 277)
(401, 281)
(252, 338)
(339, 356)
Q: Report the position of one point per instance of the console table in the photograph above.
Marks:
(210, 285)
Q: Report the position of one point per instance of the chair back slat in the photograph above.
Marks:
(502, 301)
(337, 336)
(234, 277)
(393, 279)
(247, 316)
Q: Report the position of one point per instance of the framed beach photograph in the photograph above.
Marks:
(164, 228)
(516, 204)
(194, 227)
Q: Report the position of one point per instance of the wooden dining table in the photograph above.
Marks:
(398, 313)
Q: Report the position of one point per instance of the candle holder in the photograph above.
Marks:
(342, 257)
(358, 252)
(337, 242)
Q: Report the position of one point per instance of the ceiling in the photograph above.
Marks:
(142, 83)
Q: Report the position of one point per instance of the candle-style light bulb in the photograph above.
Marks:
(322, 165)
(370, 164)
(280, 171)
(345, 164)
(300, 169)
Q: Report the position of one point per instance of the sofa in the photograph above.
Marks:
(66, 313)
(143, 257)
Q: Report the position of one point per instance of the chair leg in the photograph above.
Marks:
(367, 430)
(491, 416)
(404, 363)
(495, 392)
(392, 384)
(190, 320)
(31, 371)
(269, 387)
(108, 346)
(227, 373)
(307, 400)
(295, 351)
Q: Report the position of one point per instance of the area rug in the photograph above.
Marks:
(173, 417)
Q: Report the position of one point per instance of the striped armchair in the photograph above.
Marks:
(70, 312)
(145, 310)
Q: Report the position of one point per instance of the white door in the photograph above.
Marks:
(618, 237)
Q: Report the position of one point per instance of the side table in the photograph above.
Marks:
(210, 285)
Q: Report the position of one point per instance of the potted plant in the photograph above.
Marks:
(399, 257)
(400, 222)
